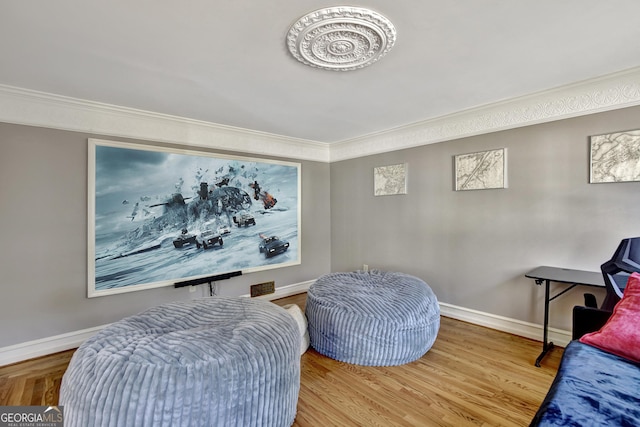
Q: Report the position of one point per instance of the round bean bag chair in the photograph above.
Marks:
(372, 318)
(209, 362)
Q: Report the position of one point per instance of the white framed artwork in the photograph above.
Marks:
(482, 170)
(159, 216)
(615, 157)
(390, 180)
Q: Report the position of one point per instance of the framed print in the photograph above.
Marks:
(390, 180)
(615, 157)
(157, 216)
(481, 171)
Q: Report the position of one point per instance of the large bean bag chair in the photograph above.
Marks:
(209, 362)
(373, 318)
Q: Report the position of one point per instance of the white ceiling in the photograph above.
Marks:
(226, 61)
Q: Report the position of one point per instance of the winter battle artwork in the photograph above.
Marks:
(158, 216)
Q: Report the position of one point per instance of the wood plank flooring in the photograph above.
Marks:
(472, 376)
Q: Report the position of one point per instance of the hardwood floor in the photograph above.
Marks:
(472, 376)
(35, 381)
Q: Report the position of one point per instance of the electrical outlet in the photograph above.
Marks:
(263, 288)
(365, 267)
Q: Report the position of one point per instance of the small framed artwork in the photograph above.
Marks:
(483, 170)
(390, 180)
(615, 157)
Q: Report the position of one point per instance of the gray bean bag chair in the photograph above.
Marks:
(209, 362)
(374, 318)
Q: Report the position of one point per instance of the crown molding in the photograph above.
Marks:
(611, 92)
(34, 108)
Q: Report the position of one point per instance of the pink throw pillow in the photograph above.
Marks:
(621, 334)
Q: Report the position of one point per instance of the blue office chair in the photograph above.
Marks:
(616, 272)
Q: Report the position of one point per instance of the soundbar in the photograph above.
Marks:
(209, 279)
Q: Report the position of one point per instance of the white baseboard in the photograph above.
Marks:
(42, 347)
(505, 324)
(36, 348)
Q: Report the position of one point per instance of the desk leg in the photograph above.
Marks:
(546, 345)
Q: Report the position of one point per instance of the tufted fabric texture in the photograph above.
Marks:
(592, 388)
(374, 318)
(208, 362)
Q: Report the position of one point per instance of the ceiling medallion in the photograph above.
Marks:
(341, 38)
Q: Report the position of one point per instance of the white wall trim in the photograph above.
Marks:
(505, 324)
(614, 91)
(42, 347)
(33, 108)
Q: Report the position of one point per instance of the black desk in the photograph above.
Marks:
(560, 275)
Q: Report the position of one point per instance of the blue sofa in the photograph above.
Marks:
(592, 388)
(598, 381)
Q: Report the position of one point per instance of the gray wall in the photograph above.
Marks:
(474, 247)
(43, 229)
